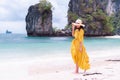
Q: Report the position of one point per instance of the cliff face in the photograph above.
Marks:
(80, 7)
(95, 14)
(39, 22)
(112, 7)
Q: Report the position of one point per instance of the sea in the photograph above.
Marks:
(21, 46)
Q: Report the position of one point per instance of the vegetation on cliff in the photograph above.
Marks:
(39, 19)
(44, 7)
(116, 23)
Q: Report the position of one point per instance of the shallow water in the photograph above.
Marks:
(19, 45)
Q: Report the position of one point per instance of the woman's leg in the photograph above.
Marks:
(84, 73)
(77, 69)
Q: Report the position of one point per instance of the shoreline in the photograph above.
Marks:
(57, 36)
(94, 36)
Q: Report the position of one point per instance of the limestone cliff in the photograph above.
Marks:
(113, 7)
(96, 15)
(39, 21)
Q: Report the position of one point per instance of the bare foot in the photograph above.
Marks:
(76, 72)
(84, 73)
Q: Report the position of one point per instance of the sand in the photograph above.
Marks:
(60, 68)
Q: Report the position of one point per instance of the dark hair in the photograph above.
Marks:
(81, 27)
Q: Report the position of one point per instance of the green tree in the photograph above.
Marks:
(72, 16)
(45, 5)
(116, 21)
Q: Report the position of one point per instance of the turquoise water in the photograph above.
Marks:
(19, 45)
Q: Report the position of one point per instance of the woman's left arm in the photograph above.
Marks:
(80, 46)
(78, 24)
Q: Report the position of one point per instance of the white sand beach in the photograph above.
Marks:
(60, 68)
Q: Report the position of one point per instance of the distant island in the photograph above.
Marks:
(8, 32)
(101, 18)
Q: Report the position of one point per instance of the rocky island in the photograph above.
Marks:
(39, 19)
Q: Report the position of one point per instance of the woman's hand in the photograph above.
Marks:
(82, 25)
(80, 46)
(73, 24)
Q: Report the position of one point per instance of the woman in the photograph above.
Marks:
(78, 50)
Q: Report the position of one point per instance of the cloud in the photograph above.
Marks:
(12, 10)
(60, 13)
(16, 11)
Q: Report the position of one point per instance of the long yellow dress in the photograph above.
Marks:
(79, 57)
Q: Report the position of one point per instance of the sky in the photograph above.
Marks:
(13, 13)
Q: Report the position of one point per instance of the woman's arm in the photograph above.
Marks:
(77, 24)
(83, 25)
(80, 46)
(73, 27)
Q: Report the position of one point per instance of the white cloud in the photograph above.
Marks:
(3, 12)
(12, 10)
(15, 11)
(60, 13)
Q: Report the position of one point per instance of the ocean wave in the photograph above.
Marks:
(59, 38)
(116, 36)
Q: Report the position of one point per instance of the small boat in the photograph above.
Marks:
(8, 32)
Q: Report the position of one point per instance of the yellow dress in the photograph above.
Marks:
(79, 57)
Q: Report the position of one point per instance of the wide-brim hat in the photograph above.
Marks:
(78, 21)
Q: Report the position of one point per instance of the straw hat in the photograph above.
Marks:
(79, 21)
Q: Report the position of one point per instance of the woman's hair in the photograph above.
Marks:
(81, 27)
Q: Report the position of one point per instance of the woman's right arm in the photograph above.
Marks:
(73, 27)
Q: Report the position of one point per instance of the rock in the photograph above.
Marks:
(112, 7)
(63, 32)
(85, 8)
(39, 23)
